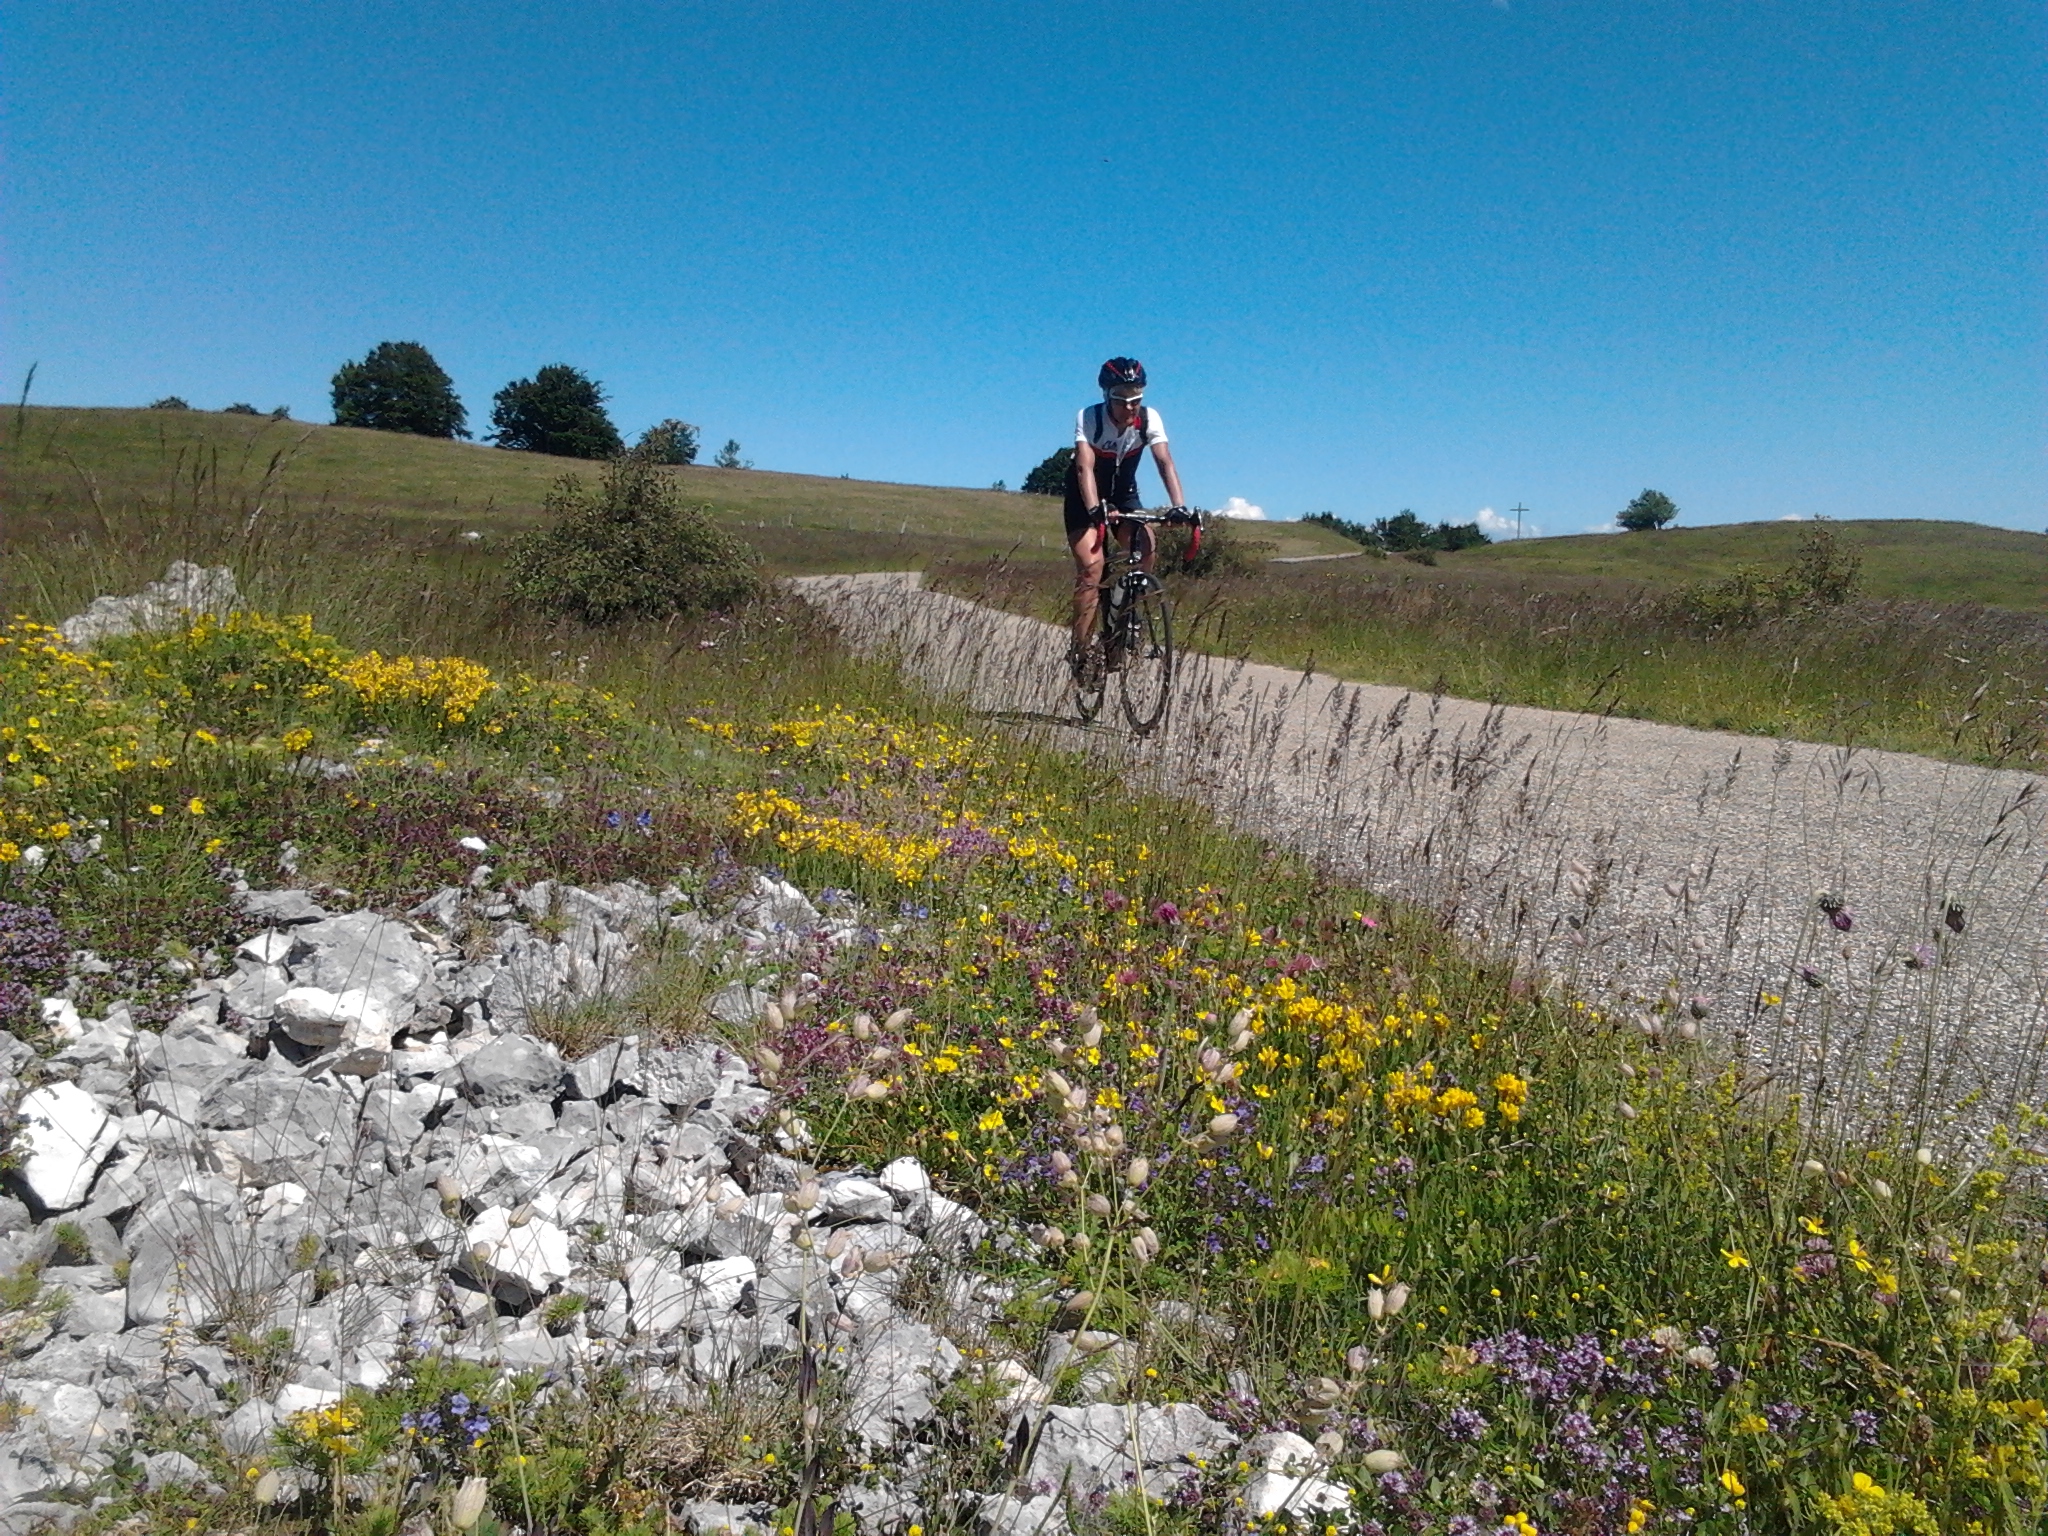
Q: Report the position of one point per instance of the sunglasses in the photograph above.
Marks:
(1128, 399)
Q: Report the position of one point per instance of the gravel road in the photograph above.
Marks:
(1868, 926)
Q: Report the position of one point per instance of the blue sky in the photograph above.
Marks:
(1772, 258)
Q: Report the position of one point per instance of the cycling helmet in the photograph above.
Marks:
(1125, 371)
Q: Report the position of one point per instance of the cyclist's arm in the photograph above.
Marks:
(1162, 455)
(1084, 468)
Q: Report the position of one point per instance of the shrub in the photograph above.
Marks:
(560, 410)
(668, 442)
(1050, 477)
(630, 549)
(1225, 550)
(1822, 575)
(399, 387)
(729, 456)
(169, 403)
(240, 408)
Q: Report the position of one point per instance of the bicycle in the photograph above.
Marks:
(1133, 632)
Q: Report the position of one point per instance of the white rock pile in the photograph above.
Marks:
(358, 1138)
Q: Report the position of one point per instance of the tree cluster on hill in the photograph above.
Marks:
(1403, 533)
(398, 387)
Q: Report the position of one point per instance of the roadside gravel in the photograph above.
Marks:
(1637, 862)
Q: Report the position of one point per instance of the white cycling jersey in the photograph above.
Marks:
(1093, 426)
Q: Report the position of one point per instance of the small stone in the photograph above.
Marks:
(281, 909)
(520, 1263)
(65, 1137)
(906, 1179)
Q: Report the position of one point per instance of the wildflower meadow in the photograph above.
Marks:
(1513, 1263)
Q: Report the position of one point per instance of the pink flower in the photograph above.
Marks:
(1115, 901)
(1166, 912)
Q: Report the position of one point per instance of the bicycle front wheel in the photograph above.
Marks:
(1145, 681)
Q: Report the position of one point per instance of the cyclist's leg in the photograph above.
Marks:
(1088, 552)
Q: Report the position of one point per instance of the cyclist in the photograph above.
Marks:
(1109, 440)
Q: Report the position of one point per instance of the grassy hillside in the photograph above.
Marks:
(1935, 562)
(59, 462)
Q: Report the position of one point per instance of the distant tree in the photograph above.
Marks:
(1401, 532)
(169, 403)
(1450, 536)
(280, 413)
(1000, 485)
(668, 442)
(399, 387)
(240, 408)
(1050, 477)
(1648, 512)
(729, 455)
(560, 410)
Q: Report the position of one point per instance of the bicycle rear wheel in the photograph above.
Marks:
(1145, 680)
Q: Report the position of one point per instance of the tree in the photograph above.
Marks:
(240, 408)
(1453, 536)
(729, 456)
(1648, 512)
(560, 410)
(668, 442)
(169, 403)
(1050, 478)
(399, 387)
(630, 549)
(1401, 532)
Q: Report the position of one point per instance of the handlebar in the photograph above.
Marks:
(1172, 515)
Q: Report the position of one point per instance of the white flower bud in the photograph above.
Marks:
(269, 1488)
(1397, 1298)
(1139, 1173)
(1098, 1205)
(863, 1027)
(1061, 1163)
(1813, 1168)
(773, 1019)
(1381, 1462)
(803, 1198)
(1093, 1036)
(1376, 1304)
(1223, 1127)
(1329, 1445)
(1879, 1188)
(469, 1503)
(836, 1244)
(1626, 1109)
(896, 1020)
(1924, 1156)
(1057, 1087)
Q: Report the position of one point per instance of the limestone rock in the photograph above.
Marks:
(65, 1137)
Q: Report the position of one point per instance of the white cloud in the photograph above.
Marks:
(1495, 526)
(1237, 506)
(1607, 527)
(1792, 517)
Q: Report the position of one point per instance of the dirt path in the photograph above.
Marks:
(1640, 861)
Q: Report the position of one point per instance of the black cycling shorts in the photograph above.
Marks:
(1117, 483)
